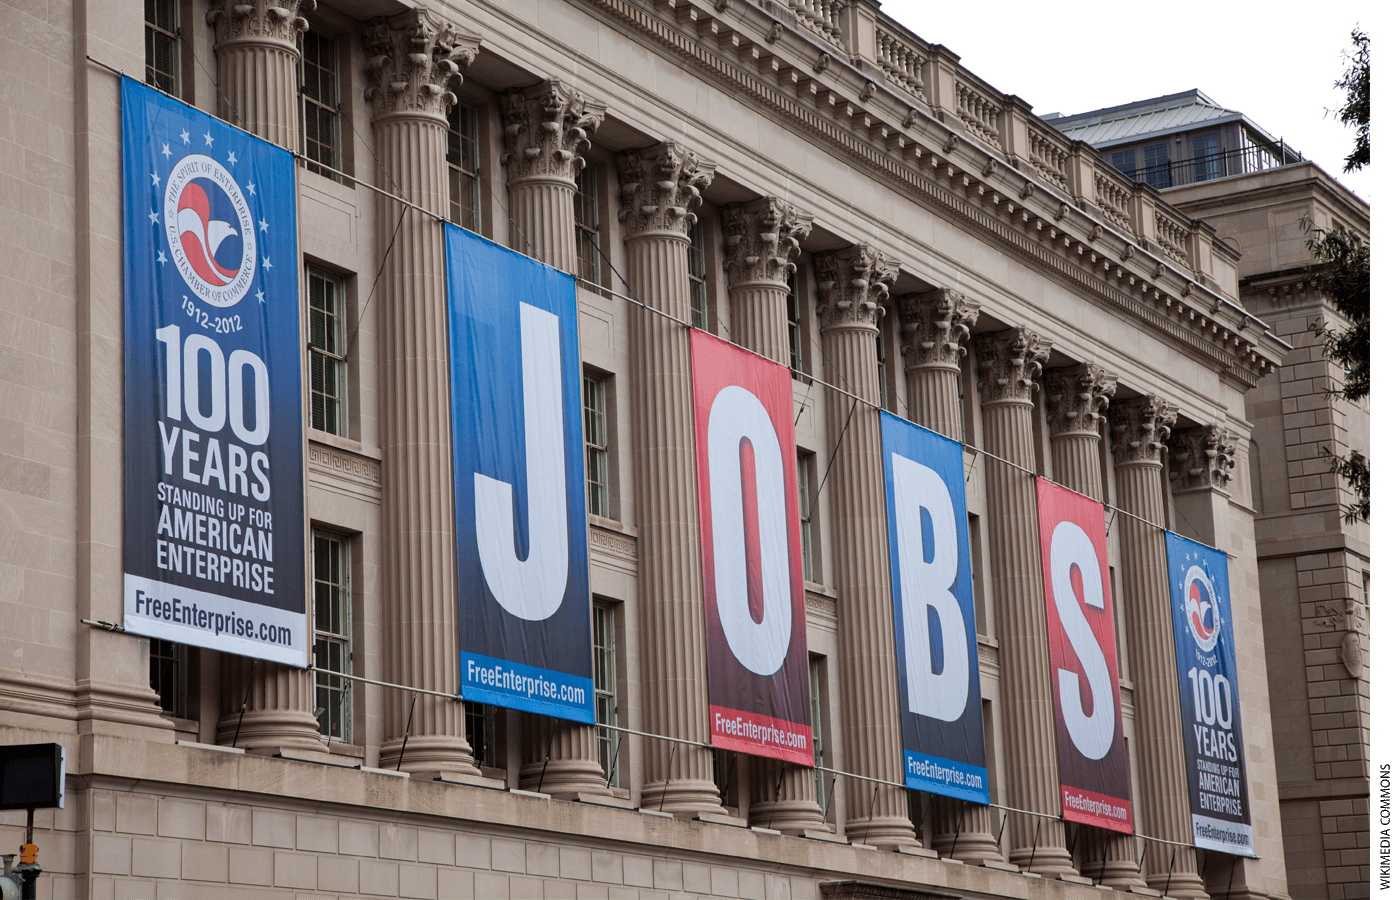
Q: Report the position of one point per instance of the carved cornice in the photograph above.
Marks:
(853, 285)
(1201, 459)
(413, 60)
(343, 464)
(936, 326)
(1140, 427)
(259, 21)
(547, 128)
(1008, 363)
(761, 240)
(1075, 398)
(661, 188)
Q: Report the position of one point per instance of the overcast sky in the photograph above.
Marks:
(1273, 63)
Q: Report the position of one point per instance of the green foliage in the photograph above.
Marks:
(1357, 112)
(1343, 272)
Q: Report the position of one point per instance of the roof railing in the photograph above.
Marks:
(1209, 166)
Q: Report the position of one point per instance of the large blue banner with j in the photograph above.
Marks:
(935, 626)
(517, 437)
(1210, 696)
(215, 533)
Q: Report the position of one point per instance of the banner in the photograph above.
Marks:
(1094, 786)
(751, 547)
(517, 454)
(935, 624)
(1210, 696)
(215, 534)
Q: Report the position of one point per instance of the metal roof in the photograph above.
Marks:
(1147, 118)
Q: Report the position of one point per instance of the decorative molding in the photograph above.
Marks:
(661, 188)
(819, 605)
(547, 128)
(1202, 459)
(1008, 363)
(936, 326)
(413, 60)
(260, 20)
(761, 240)
(988, 657)
(1076, 397)
(342, 464)
(613, 542)
(1140, 427)
(853, 285)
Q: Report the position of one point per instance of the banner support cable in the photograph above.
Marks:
(406, 730)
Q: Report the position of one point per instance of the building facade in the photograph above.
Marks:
(810, 181)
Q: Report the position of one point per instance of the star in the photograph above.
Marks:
(165, 150)
(251, 189)
(185, 136)
(267, 263)
(208, 139)
(160, 257)
(155, 179)
(154, 218)
(260, 297)
(231, 158)
(262, 226)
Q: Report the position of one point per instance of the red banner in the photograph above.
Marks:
(1083, 659)
(751, 544)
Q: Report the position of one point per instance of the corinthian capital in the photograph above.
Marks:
(1008, 363)
(413, 62)
(936, 326)
(547, 127)
(260, 20)
(1140, 428)
(853, 285)
(761, 240)
(1076, 397)
(661, 188)
(1201, 459)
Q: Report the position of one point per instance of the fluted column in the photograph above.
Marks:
(1140, 427)
(661, 187)
(936, 325)
(1008, 363)
(1075, 399)
(413, 61)
(269, 705)
(853, 286)
(255, 45)
(547, 128)
(761, 240)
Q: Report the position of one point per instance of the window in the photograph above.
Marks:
(325, 303)
(605, 684)
(699, 293)
(798, 362)
(1125, 161)
(595, 440)
(586, 226)
(814, 675)
(463, 168)
(1205, 149)
(1157, 166)
(170, 669)
(481, 733)
(163, 45)
(320, 107)
(805, 464)
(334, 701)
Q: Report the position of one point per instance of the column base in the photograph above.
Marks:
(882, 831)
(563, 777)
(1181, 885)
(428, 753)
(271, 730)
(788, 816)
(682, 796)
(124, 710)
(1047, 862)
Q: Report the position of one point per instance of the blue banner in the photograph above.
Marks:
(214, 539)
(935, 624)
(1210, 696)
(517, 453)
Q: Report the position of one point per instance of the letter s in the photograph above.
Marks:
(924, 584)
(1092, 734)
(532, 588)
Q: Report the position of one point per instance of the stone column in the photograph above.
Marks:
(1008, 363)
(853, 285)
(265, 705)
(1200, 474)
(761, 240)
(1076, 397)
(1140, 427)
(546, 129)
(661, 187)
(255, 44)
(935, 328)
(413, 61)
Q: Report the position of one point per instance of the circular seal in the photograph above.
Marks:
(210, 231)
(1202, 613)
